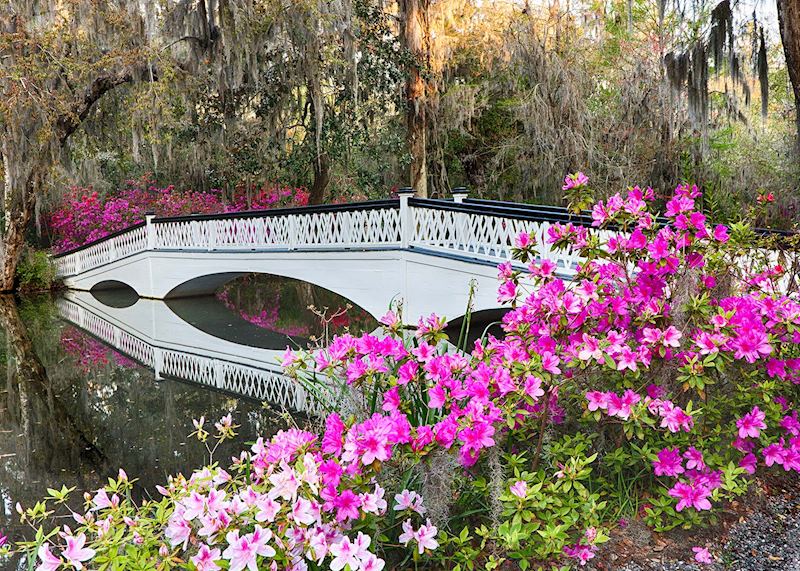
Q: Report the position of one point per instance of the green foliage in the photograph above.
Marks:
(35, 271)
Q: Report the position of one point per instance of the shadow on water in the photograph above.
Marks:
(209, 315)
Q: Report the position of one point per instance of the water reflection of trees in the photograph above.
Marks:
(67, 419)
(40, 440)
(282, 305)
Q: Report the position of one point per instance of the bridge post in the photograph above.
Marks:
(293, 237)
(211, 226)
(459, 194)
(158, 363)
(112, 249)
(461, 241)
(150, 230)
(406, 218)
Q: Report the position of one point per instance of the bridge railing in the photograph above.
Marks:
(333, 226)
(484, 233)
(478, 229)
(339, 226)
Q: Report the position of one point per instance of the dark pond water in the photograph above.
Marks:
(73, 410)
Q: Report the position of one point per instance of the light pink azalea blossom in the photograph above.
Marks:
(48, 561)
(76, 553)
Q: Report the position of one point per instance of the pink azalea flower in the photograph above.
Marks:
(347, 504)
(371, 562)
(773, 454)
(533, 387)
(506, 292)
(344, 553)
(668, 462)
(581, 553)
(597, 400)
(390, 319)
(791, 424)
(243, 552)
(751, 424)
(206, 559)
(519, 489)
(751, 344)
(721, 233)
(573, 180)
(694, 459)
(701, 555)
(690, 496)
(178, 529)
(748, 462)
(76, 553)
(424, 536)
(49, 562)
(626, 359)
(409, 500)
(550, 363)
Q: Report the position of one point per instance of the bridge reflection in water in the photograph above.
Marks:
(155, 336)
(73, 410)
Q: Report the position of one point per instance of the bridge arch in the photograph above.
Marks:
(114, 293)
(203, 285)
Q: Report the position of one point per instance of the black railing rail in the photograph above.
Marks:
(515, 210)
(101, 239)
(273, 212)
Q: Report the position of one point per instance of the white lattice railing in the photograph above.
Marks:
(482, 230)
(467, 230)
(489, 237)
(265, 385)
(103, 252)
(339, 229)
(365, 225)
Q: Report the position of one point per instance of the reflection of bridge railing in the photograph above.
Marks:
(271, 386)
(479, 230)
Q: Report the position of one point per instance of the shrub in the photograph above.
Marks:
(35, 271)
(655, 381)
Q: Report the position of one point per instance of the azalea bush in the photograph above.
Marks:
(653, 383)
(85, 216)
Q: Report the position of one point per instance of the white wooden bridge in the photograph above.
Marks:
(421, 251)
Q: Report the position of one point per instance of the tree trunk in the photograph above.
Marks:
(789, 22)
(322, 176)
(317, 100)
(18, 215)
(14, 239)
(415, 34)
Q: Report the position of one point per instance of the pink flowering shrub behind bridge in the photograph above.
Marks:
(84, 216)
(653, 385)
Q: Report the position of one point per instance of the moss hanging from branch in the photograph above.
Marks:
(763, 73)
